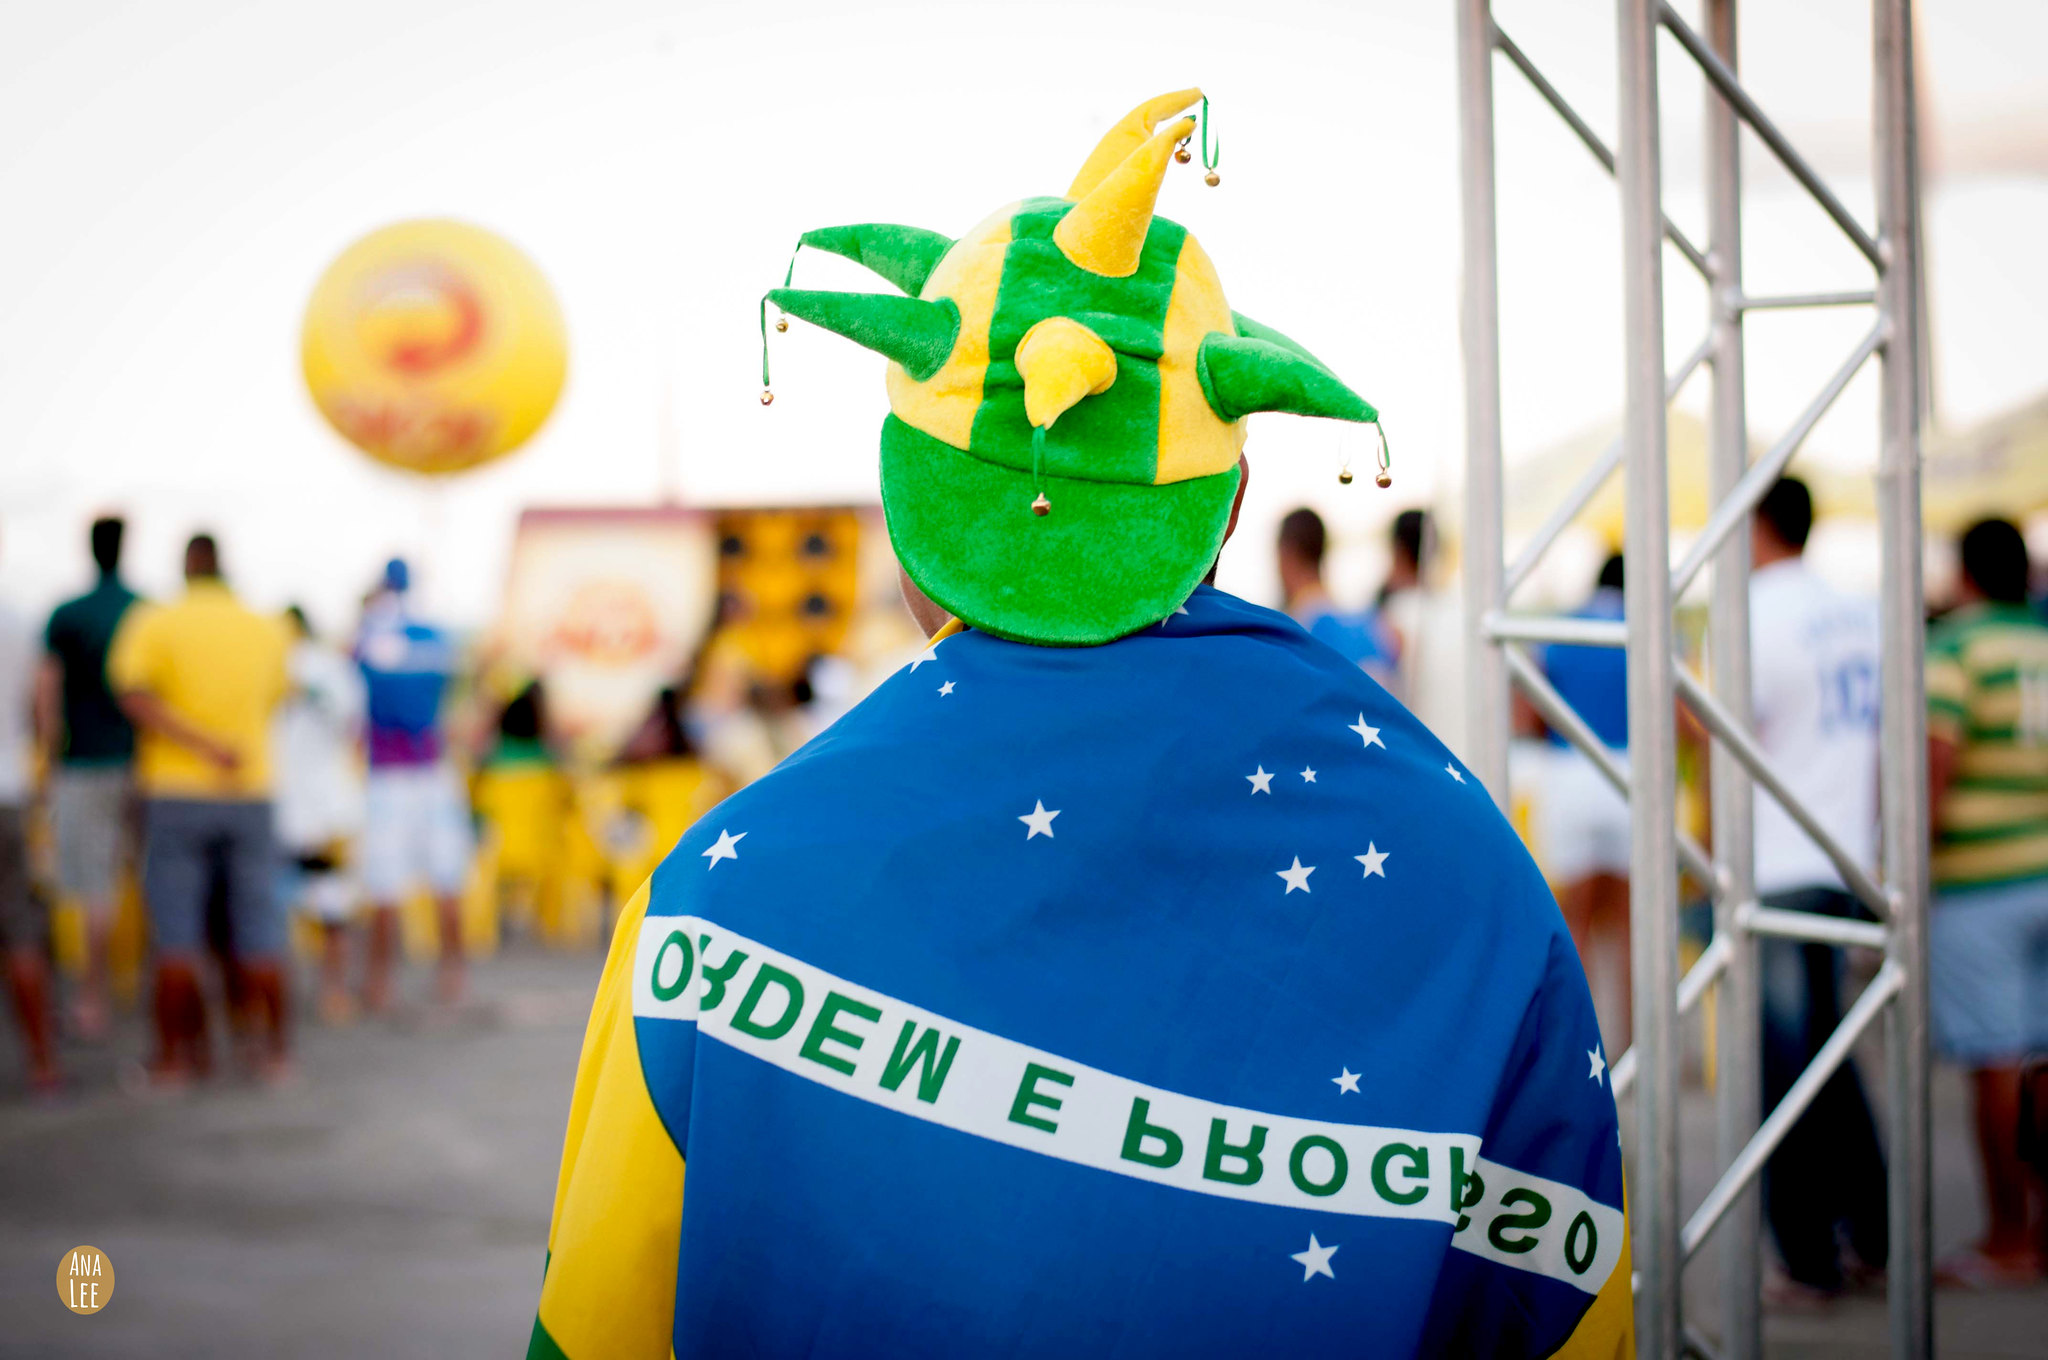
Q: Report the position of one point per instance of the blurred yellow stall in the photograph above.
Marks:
(789, 584)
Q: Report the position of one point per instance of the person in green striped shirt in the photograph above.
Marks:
(1987, 775)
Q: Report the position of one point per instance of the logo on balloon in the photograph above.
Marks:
(421, 317)
(434, 346)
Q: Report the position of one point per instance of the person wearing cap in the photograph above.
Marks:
(200, 678)
(1128, 974)
(416, 830)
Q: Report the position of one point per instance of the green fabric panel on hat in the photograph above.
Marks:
(1242, 376)
(905, 256)
(1259, 330)
(918, 335)
(1107, 560)
(1130, 335)
(1114, 435)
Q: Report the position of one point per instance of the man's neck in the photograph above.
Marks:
(1309, 598)
(1768, 554)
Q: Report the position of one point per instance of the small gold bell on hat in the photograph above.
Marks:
(1181, 154)
(1344, 477)
(1383, 480)
(1041, 506)
(782, 323)
(767, 397)
(1212, 179)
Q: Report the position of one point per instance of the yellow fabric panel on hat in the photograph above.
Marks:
(1061, 361)
(1193, 440)
(1105, 233)
(943, 405)
(1127, 136)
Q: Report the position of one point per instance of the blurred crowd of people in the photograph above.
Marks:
(1815, 702)
(255, 787)
(238, 767)
(240, 770)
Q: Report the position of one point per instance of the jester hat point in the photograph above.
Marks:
(1068, 393)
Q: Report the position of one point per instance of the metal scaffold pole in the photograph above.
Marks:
(1652, 737)
(1486, 685)
(1746, 1134)
(1738, 1048)
(1904, 702)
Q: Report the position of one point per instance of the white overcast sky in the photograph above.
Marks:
(177, 173)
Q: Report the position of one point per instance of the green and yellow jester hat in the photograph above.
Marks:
(1068, 393)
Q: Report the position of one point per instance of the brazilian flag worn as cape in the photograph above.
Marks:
(1177, 996)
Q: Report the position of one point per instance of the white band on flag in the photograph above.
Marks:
(887, 1052)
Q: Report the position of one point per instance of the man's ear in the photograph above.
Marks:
(1244, 479)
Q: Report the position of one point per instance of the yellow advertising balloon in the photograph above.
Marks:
(434, 346)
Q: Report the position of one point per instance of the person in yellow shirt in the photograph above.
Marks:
(200, 679)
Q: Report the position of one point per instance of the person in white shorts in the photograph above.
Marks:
(416, 829)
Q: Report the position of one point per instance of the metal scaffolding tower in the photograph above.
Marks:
(1497, 646)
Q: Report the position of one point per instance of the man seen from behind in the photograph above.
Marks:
(200, 677)
(1987, 937)
(92, 749)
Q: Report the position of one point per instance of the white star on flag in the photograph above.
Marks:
(1308, 776)
(1039, 820)
(1367, 733)
(724, 848)
(1316, 1260)
(930, 654)
(945, 689)
(1261, 782)
(1297, 877)
(1347, 1081)
(1374, 860)
(1596, 1065)
(1452, 771)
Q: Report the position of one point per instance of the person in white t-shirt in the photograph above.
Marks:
(318, 802)
(1814, 677)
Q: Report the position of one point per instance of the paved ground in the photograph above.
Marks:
(396, 1204)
